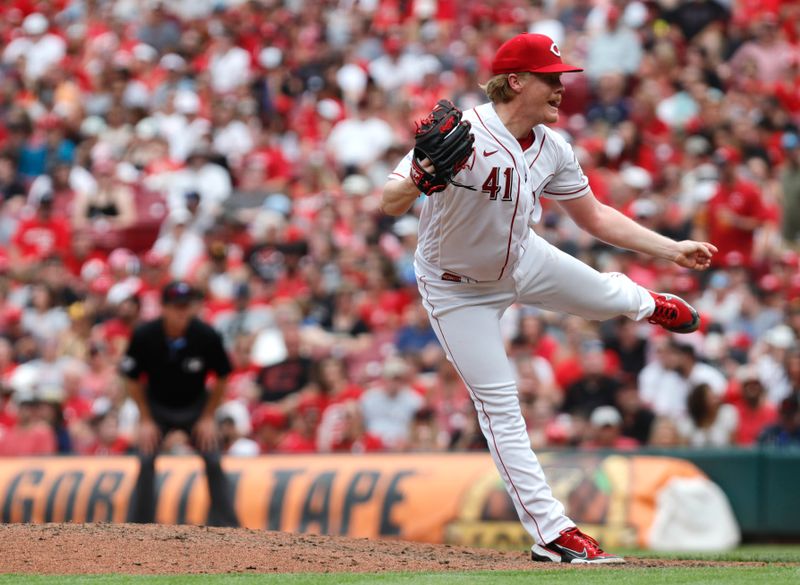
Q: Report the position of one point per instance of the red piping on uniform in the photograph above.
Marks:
(541, 148)
(510, 232)
(516, 205)
(483, 407)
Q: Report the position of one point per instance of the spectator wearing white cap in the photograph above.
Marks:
(39, 49)
(605, 431)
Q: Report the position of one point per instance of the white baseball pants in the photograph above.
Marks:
(466, 319)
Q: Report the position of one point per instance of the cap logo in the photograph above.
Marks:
(554, 50)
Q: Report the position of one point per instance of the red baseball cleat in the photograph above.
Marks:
(674, 314)
(573, 546)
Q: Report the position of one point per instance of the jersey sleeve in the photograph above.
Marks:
(569, 182)
(403, 168)
(132, 364)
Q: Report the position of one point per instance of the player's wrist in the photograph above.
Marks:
(669, 250)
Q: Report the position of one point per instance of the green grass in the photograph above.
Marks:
(765, 553)
(593, 575)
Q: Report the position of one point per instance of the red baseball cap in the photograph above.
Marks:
(530, 52)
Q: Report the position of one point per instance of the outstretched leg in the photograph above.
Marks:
(551, 279)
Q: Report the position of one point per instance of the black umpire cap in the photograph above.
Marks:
(178, 292)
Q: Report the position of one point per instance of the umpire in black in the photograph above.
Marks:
(166, 365)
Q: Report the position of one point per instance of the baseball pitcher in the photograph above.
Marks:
(484, 172)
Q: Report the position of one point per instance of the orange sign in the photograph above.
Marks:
(457, 498)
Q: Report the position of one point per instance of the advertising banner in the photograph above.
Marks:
(439, 498)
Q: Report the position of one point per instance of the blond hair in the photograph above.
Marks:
(498, 89)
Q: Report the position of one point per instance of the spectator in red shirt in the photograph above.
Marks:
(269, 425)
(302, 434)
(42, 234)
(532, 331)
(30, 435)
(8, 416)
(450, 401)
(292, 283)
(77, 407)
(342, 430)
(118, 329)
(100, 375)
(333, 382)
(755, 413)
(107, 441)
(265, 169)
(734, 212)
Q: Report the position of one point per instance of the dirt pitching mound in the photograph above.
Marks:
(156, 549)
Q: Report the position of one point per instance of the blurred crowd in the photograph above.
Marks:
(243, 145)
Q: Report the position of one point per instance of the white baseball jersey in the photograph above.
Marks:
(480, 233)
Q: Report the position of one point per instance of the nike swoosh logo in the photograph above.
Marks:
(488, 152)
(575, 554)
